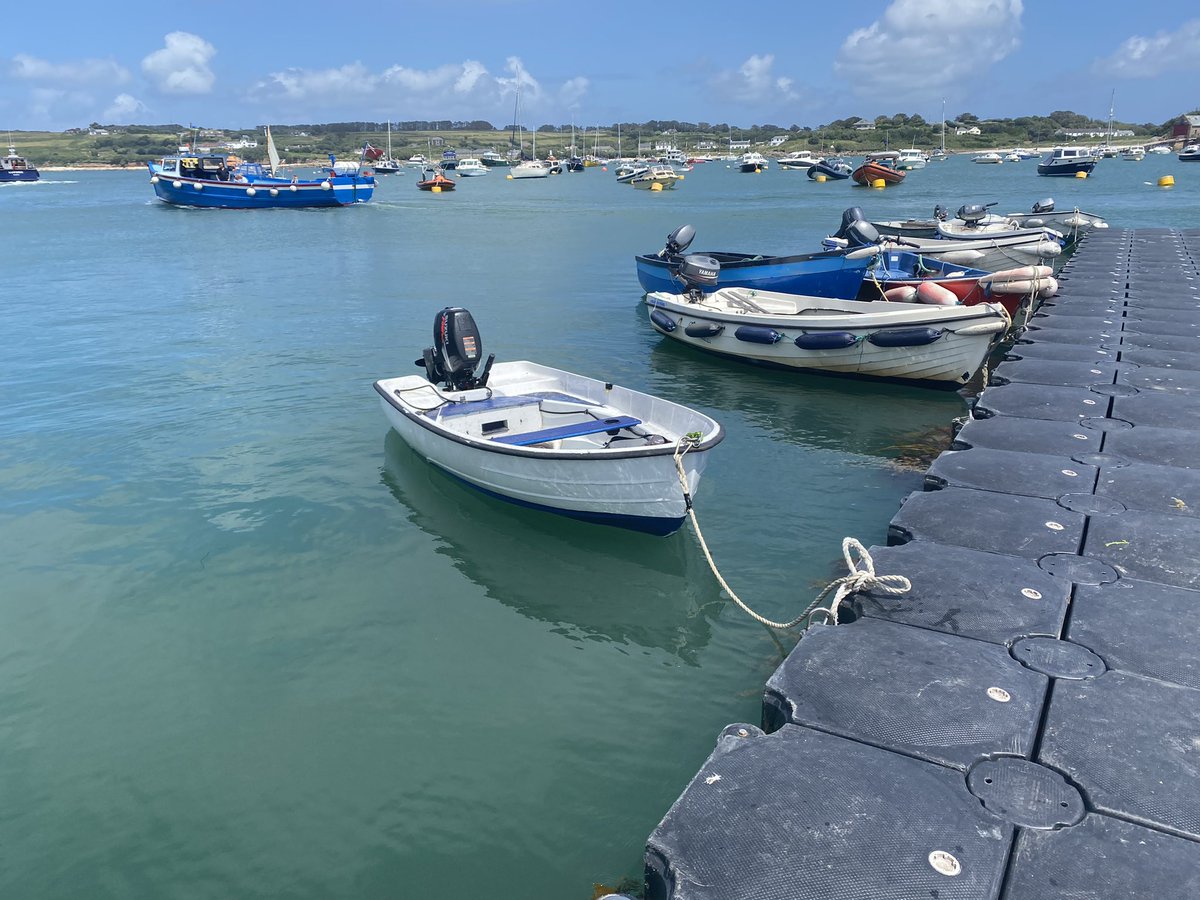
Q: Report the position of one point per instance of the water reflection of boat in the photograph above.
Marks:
(895, 423)
(654, 594)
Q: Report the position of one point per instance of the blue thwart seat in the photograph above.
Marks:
(576, 429)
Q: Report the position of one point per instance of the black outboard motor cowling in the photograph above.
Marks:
(678, 241)
(941, 213)
(973, 213)
(456, 351)
(1044, 206)
(856, 230)
(849, 218)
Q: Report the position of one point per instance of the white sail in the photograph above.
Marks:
(272, 153)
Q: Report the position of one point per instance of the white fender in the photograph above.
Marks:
(863, 252)
(904, 294)
(1049, 288)
(1024, 273)
(1048, 249)
(933, 293)
(961, 257)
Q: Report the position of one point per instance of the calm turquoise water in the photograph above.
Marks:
(252, 646)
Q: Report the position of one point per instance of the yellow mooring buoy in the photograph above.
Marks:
(656, 186)
(1081, 174)
(1167, 181)
(820, 179)
(435, 190)
(509, 177)
(878, 183)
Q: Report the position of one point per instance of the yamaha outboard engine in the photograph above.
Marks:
(456, 351)
(1044, 206)
(941, 213)
(856, 230)
(973, 213)
(698, 273)
(678, 241)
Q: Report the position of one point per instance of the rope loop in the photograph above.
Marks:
(861, 577)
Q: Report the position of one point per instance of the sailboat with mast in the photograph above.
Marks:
(574, 161)
(388, 164)
(525, 168)
(939, 154)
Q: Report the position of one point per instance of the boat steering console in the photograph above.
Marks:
(456, 351)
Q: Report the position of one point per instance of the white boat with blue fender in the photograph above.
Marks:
(912, 342)
(548, 439)
(939, 346)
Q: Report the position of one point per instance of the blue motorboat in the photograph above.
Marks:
(832, 273)
(17, 168)
(834, 170)
(210, 180)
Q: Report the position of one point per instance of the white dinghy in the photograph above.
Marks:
(548, 439)
(936, 346)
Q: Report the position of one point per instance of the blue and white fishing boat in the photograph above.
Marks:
(208, 180)
(930, 345)
(548, 439)
(1069, 161)
(17, 168)
(832, 273)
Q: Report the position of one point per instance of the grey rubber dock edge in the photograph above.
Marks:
(1025, 723)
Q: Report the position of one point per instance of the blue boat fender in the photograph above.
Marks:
(906, 337)
(703, 329)
(826, 340)
(663, 321)
(758, 334)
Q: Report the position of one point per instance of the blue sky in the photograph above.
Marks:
(238, 65)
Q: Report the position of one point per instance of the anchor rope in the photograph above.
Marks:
(862, 575)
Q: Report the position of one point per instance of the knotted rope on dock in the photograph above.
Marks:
(861, 577)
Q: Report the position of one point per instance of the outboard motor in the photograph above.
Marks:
(1044, 206)
(456, 351)
(941, 213)
(678, 241)
(856, 231)
(698, 273)
(973, 213)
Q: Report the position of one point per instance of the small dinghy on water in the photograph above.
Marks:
(831, 170)
(548, 439)
(832, 273)
(991, 253)
(930, 345)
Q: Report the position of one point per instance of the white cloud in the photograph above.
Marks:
(453, 91)
(84, 71)
(181, 66)
(919, 49)
(317, 85)
(1149, 57)
(573, 91)
(124, 110)
(755, 82)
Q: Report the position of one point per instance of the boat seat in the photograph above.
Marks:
(576, 429)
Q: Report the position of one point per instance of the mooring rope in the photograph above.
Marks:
(862, 575)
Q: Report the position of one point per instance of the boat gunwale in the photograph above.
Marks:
(531, 452)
